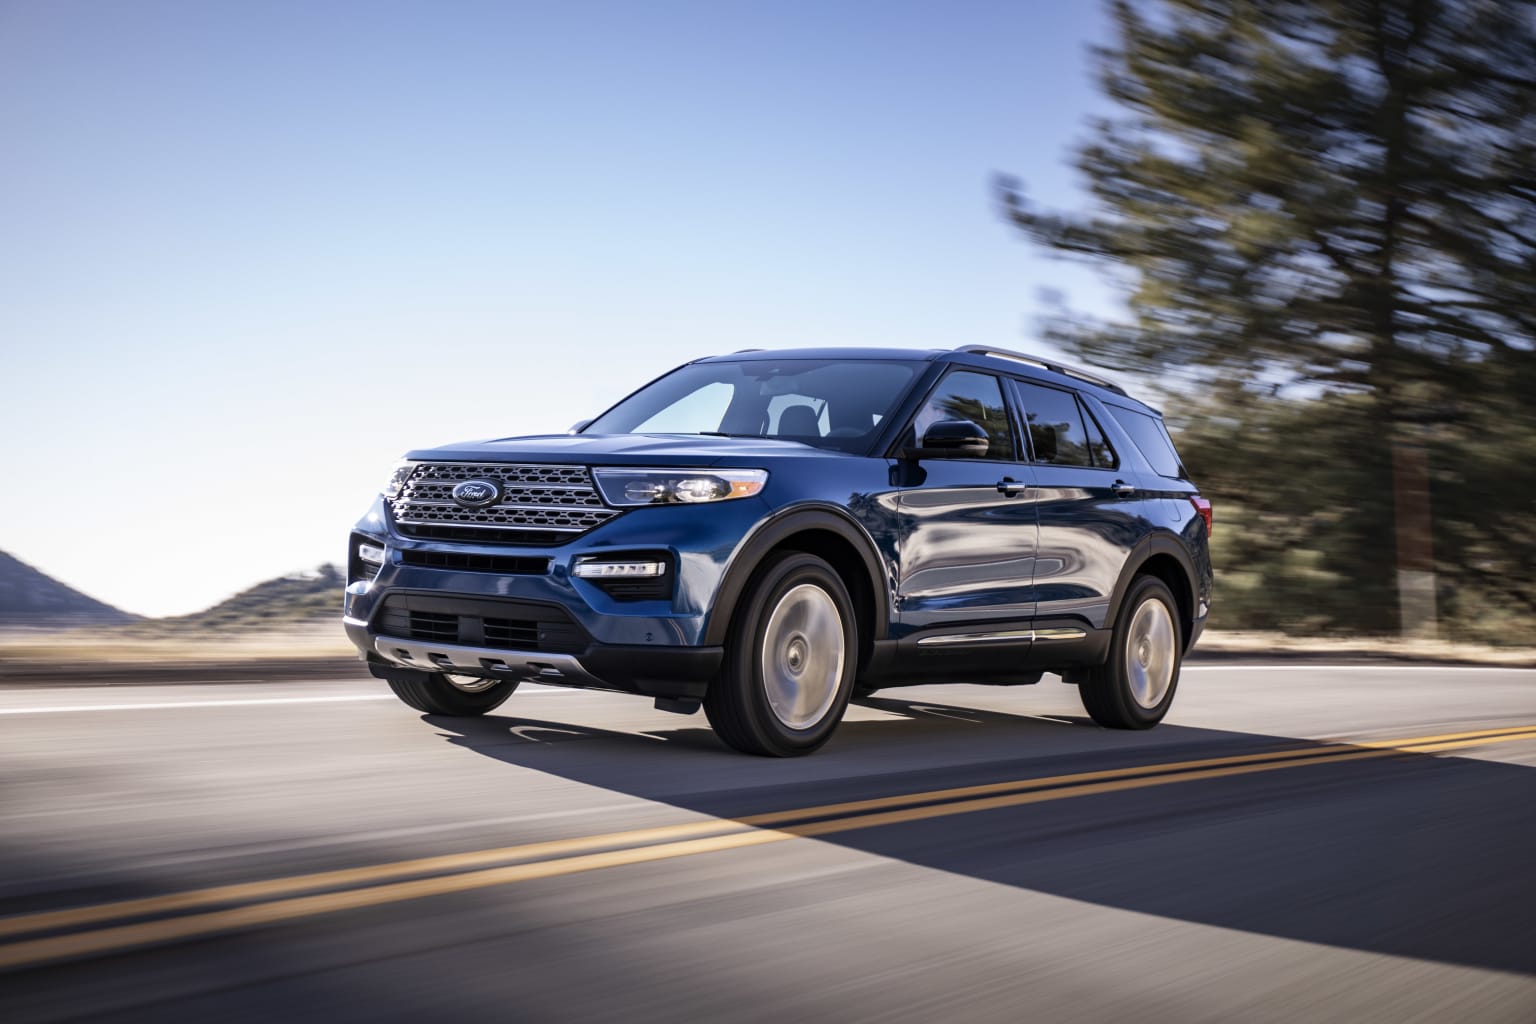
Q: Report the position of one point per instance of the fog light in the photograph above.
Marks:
(373, 554)
(592, 570)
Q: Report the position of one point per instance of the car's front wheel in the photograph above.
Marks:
(1134, 688)
(457, 695)
(790, 660)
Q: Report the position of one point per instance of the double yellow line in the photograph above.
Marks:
(113, 927)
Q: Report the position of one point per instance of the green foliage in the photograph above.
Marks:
(1333, 192)
(1324, 216)
(1302, 487)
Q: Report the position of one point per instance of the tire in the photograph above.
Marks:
(1134, 687)
(791, 655)
(435, 695)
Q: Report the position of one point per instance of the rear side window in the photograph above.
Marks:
(1098, 445)
(1152, 438)
(1055, 426)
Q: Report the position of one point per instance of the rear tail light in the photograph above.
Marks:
(1203, 510)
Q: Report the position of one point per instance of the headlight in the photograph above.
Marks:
(630, 487)
(397, 478)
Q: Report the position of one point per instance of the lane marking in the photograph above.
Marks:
(1142, 782)
(164, 705)
(535, 689)
(682, 839)
(240, 702)
(1352, 667)
(196, 898)
(158, 932)
(155, 932)
(478, 858)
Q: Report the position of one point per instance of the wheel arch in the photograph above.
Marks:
(1164, 556)
(830, 534)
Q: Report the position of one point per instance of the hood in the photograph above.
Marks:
(624, 450)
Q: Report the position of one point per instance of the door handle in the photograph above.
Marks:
(1122, 489)
(1011, 487)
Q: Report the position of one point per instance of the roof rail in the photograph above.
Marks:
(1044, 364)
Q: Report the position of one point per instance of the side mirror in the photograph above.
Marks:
(952, 439)
(578, 426)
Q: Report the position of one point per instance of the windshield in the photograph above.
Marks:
(830, 403)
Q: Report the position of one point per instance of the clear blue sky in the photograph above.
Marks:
(250, 253)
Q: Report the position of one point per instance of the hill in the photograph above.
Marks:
(277, 603)
(34, 599)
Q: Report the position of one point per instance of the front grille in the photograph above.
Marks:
(484, 535)
(481, 622)
(539, 504)
(507, 565)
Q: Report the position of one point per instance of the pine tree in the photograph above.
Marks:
(1333, 194)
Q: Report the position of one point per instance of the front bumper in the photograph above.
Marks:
(651, 647)
(654, 672)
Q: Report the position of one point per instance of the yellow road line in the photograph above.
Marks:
(196, 898)
(1295, 753)
(820, 828)
(271, 888)
(21, 954)
(743, 832)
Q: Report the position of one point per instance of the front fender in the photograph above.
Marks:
(773, 532)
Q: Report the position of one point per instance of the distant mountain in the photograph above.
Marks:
(34, 599)
(285, 601)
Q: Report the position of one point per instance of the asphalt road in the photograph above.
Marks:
(1297, 842)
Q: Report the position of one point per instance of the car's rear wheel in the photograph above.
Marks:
(790, 660)
(456, 695)
(1134, 688)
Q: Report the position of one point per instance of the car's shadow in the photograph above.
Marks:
(1412, 855)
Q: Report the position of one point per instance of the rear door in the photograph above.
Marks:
(1089, 511)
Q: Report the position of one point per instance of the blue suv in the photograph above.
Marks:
(768, 534)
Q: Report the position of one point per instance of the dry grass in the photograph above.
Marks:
(1259, 644)
(124, 646)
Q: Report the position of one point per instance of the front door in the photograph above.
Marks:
(967, 532)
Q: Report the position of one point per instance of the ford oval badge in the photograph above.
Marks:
(477, 493)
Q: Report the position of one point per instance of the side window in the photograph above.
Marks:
(1055, 426)
(1104, 456)
(978, 397)
(1152, 438)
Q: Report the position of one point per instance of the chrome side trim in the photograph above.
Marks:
(484, 661)
(976, 638)
(1003, 636)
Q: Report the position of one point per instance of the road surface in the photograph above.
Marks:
(1296, 842)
